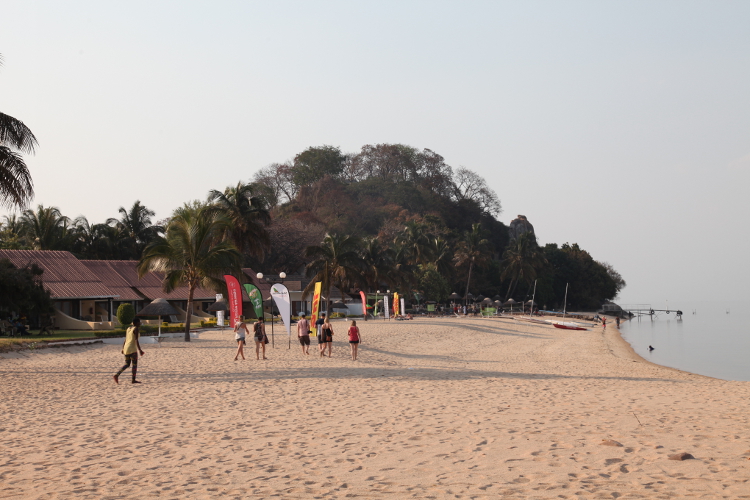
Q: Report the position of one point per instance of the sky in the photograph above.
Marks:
(621, 126)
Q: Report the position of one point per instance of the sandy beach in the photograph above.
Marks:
(434, 408)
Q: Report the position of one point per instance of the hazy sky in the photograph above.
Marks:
(622, 126)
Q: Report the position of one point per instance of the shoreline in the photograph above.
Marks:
(440, 408)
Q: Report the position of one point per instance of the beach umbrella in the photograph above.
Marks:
(454, 296)
(469, 296)
(338, 305)
(497, 297)
(510, 303)
(159, 307)
(479, 298)
(487, 301)
(219, 305)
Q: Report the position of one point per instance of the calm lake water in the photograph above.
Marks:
(710, 342)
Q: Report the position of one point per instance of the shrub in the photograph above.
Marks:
(125, 314)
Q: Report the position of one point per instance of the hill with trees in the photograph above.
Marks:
(416, 225)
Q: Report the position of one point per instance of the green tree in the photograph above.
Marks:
(193, 253)
(249, 215)
(521, 259)
(46, 229)
(313, 164)
(472, 251)
(135, 228)
(416, 242)
(441, 256)
(335, 262)
(22, 290)
(11, 233)
(377, 261)
(432, 284)
(16, 186)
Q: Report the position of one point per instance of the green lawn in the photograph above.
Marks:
(80, 334)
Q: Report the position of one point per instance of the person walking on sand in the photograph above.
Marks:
(303, 333)
(259, 334)
(327, 331)
(617, 321)
(240, 330)
(354, 339)
(130, 348)
(319, 331)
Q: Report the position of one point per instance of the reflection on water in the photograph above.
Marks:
(709, 342)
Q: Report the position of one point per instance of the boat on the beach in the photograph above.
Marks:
(567, 325)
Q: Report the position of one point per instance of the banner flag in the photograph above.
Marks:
(386, 307)
(255, 298)
(364, 304)
(315, 309)
(395, 304)
(280, 295)
(234, 298)
(403, 306)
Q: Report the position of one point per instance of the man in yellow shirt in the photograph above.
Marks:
(130, 349)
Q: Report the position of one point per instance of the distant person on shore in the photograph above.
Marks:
(327, 332)
(303, 333)
(617, 322)
(130, 348)
(354, 339)
(240, 330)
(604, 322)
(261, 339)
(319, 332)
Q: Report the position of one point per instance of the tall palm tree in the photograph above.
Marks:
(16, 186)
(46, 228)
(135, 228)
(249, 215)
(472, 250)
(377, 261)
(335, 262)
(521, 260)
(192, 253)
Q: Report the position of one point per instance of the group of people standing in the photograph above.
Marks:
(324, 332)
(132, 348)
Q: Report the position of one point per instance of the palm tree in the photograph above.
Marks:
(415, 241)
(11, 233)
(521, 259)
(46, 228)
(335, 262)
(403, 272)
(472, 250)
(16, 186)
(135, 228)
(249, 215)
(192, 253)
(440, 256)
(377, 262)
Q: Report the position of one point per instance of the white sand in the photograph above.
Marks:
(432, 409)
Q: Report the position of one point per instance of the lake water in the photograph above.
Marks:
(710, 342)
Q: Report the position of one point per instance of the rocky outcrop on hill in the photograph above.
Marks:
(519, 226)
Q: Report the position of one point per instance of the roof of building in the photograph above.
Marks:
(123, 273)
(64, 276)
